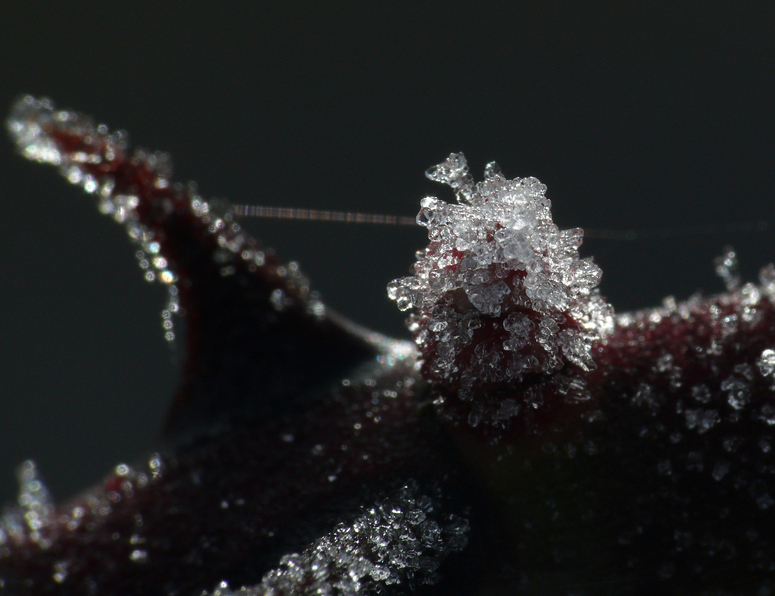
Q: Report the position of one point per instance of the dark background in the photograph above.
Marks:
(636, 118)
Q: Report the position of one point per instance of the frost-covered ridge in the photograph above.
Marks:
(500, 291)
(398, 541)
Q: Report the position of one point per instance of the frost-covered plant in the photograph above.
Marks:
(500, 292)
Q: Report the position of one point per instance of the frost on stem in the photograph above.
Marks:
(398, 541)
(257, 336)
(136, 189)
(89, 155)
(500, 293)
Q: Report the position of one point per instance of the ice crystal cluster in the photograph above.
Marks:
(33, 124)
(500, 292)
(35, 507)
(400, 540)
(136, 190)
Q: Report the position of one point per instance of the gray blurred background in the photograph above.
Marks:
(635, 118)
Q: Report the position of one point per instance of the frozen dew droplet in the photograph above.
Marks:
(138, 556)
(766, 363)
(453, 171)
(61, 571)
(767, 280)
(738, 391)
(749, 295)
(279, 300)
(492, 169)
(701, 393)
(25, 124)
(728, 269)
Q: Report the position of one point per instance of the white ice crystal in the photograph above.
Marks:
(33, 124)
(34, 512)
(500, 291)
(401, 540)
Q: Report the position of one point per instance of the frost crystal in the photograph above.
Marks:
(728, 269)
(34, 511)
(401, 540)
(766, 363)
(500, 292)
(34, 124)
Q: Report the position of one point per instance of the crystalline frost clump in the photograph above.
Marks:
(500, 292)
(399, 541)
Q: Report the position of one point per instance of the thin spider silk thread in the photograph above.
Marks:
(264, 212)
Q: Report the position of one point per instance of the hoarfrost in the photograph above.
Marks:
(499, 275)
(38, 128)
(738, 391)
(401, 540)
(767, 280)
(728, 269)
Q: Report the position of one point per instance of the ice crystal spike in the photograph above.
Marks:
(500, 293)
(728, 269)
(237, 298)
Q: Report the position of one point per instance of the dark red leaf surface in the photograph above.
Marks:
(292, 428)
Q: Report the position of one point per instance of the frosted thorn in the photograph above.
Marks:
(500, 277)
